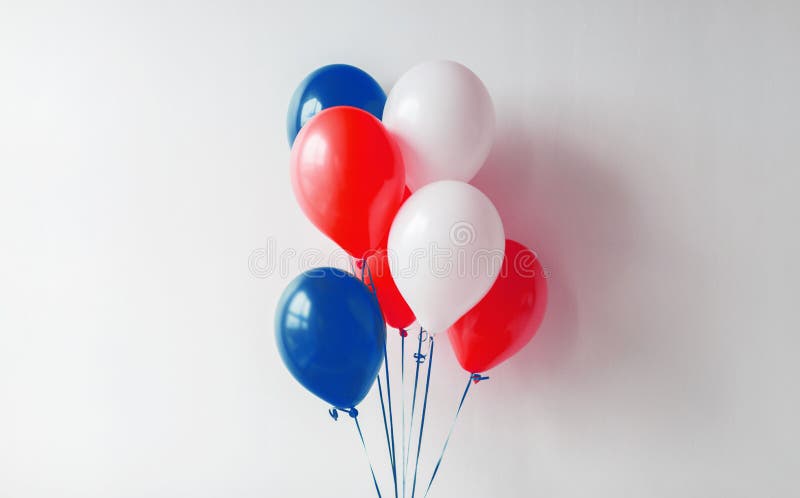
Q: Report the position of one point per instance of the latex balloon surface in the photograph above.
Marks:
(446, 245)
(507, 318)
(330, 86)
(443, 119)
(395, 309)
(331, 335)
(348, 177)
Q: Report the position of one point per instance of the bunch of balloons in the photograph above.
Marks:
(386, 179)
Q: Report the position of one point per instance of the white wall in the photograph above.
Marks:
(647, 150)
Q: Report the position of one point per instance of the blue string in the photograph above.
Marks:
(422, 419)
(364, 445)
(472, 378)
(392, 453)
(391, 418)
(364, 269)
(385, 423)
(419, 358)
(334, 413)
(403, 335)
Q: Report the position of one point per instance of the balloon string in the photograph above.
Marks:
(334, 413)
(385, 422)
(403, 335)
(422, 417)
(363, 264)
(391, 417)
(364, 445)
(472, 378)
(389, 444)
(419, 358)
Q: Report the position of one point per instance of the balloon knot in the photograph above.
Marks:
(359, 263)
(334, 412)
(419, 357)
(403, 333)
(478, 377)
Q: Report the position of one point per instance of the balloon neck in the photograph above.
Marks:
(477, 378)
(403, 332)
(334, 412)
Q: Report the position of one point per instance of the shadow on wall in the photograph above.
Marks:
(568, 208)
(629, 288)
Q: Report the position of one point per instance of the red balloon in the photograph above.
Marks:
(396, 311)
(507, 317)
(348, 176)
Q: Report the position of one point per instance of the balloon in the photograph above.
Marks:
(348, 177)
(330, 86)
(507, 317)
(331, 335)
(395, 309)
(447, 246)
(443, 119)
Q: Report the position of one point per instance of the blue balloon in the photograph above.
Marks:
(331, 86)
(331, 335)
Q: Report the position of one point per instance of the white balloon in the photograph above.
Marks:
(446, 248)
(442, 117)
